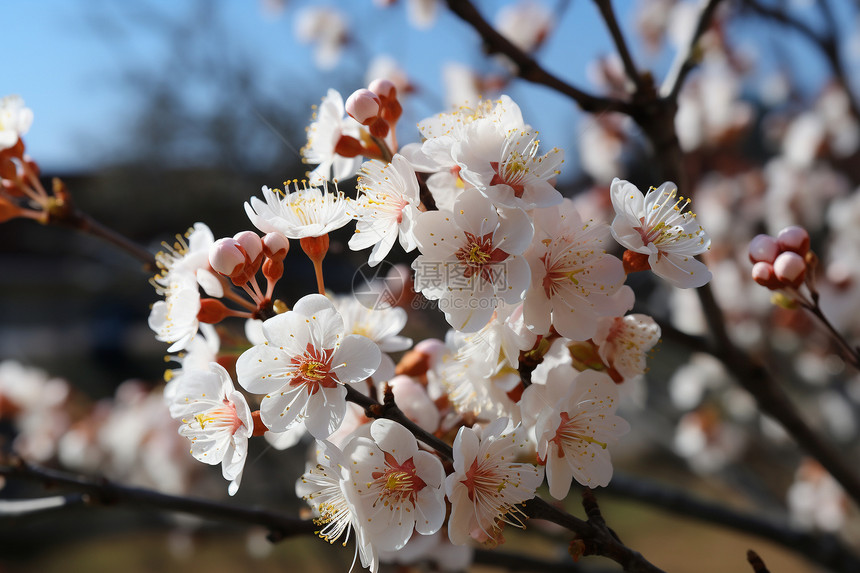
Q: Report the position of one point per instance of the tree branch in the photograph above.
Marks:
(527, 68)
(104, 492)
(772, 399)
(826, 549)
(828, 44)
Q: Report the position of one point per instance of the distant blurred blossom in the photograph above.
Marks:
(788, 200)
(690, 382)
(462, 85)
(815, 500)
(707, 441)
(652, 19)
(526, 24)
(36, 406)
(601, 146)
(710, 110)
(386, 67)
(15, 120)
(328, 31)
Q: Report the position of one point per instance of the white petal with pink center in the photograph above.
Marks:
(183, 268)
(386, 208)
(381, 325)
(326, 487)
(574, 280)
(500, 341)
(304, 212)
(197, 356)
(503, 112)
(186, 261)
(217, 420)
(575, 428)
(623, 342)
(303, 366)
(658, 226)
(471, 259)
(399, 487)
(330, 122)
(487, 484)
(174, 319)
(508, 169)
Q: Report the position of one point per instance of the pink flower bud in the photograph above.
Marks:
(763, 274)
(794, 239)
(227, 257)
(276, 246)
(383, 88)
(790, 268)
(251, 242)
(763, 248)
(363, 106)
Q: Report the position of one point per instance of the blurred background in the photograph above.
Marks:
(158, 114)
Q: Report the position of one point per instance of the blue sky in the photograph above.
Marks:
(68, 74)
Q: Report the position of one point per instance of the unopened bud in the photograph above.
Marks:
(227, 257)
(763, 248)
(763, 274)
(273, 270)
(378, 127)
(276, 246)
(790, 268)
(383, 88)
(794, 239)
(363, 106)
(212, 311)
(251, 242)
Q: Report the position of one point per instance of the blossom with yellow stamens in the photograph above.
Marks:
(216, 418)
(304, 365)
(657, 226)
(488, 484)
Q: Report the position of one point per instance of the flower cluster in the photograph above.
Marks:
(522, 277)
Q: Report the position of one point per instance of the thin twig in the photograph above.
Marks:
(104, 492)
(850, 353)
(756, 562)
(687, 59)
(827, 43)
(527, 68)
(611, 21)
